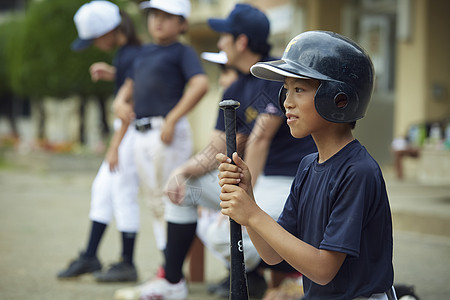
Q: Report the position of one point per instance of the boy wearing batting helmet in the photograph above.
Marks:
(336, 226)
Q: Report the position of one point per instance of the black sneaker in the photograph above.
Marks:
(220, 289)
(257, 285)
(119, 272)
(79, 266)
(223, 291)
(407, 291)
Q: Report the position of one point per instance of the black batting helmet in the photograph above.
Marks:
(343, 68)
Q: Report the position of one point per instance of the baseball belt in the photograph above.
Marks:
(147, 123)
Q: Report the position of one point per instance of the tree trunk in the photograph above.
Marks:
(42, 118)
(7, 107)
(104, 117)
(82, 115)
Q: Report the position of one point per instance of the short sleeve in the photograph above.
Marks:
(289, 217)
(289, 214)
(268, 99)
(130, 72)
(190, 63)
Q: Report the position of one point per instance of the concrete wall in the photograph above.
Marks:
(438, 60)
(411, 73)
(423, 63)
(324, 14)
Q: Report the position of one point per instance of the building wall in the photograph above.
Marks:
(438, 60)
(324, 14)
(423, 69)
(411, 73)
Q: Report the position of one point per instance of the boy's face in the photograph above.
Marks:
(302, 116)
(164, 27)
(227, 44)
(106, 42)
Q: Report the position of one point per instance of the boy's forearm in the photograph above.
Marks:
(204, 161)
(122, 105)
(255, 156)
(195, 90)
(275, 244)
(196, 167)
(125, 92)
(258, 144)
(119, 134)
(265, 250)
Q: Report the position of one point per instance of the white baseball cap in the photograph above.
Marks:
(93, 20)
(174, 7)
(218, 58)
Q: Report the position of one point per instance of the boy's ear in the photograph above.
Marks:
(241, 42)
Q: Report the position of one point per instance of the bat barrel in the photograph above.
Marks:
(238, 280)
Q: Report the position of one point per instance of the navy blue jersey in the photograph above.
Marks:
(254, 95)
(123, 61)
(160, 74)
(342, 205)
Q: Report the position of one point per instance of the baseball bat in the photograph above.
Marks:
(238, 280)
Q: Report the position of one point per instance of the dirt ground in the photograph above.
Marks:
(44, 224)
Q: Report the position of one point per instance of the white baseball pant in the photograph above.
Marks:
(155, 161)
(116, 193)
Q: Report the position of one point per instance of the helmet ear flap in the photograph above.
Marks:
(337, 102)
(282, 98)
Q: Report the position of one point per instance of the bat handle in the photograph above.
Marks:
(229, 110)
(238, 280)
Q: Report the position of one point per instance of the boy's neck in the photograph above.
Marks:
(165, 42)
(246, 60)
(332, 141)
(121, 39)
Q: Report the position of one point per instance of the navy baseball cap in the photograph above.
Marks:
(244, 19)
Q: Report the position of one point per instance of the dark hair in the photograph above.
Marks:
(183, 19)
(352, 124)
(127, 28)
(259, 48)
